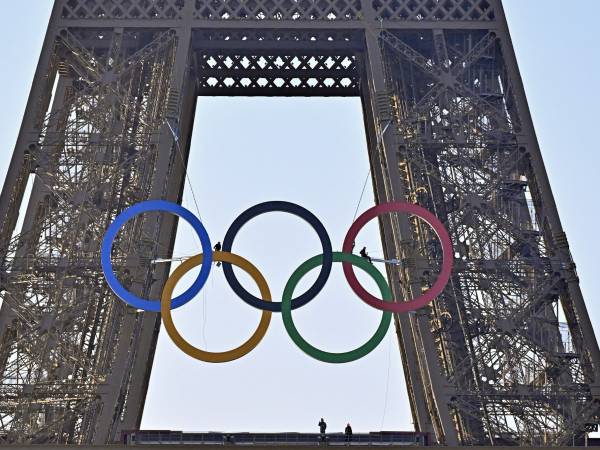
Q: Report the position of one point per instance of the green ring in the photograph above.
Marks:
(336, 358)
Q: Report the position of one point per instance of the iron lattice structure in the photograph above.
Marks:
(108, 123)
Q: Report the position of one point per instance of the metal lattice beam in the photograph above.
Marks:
(506, 355)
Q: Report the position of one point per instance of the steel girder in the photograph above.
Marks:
(489, 362)
(511, 376)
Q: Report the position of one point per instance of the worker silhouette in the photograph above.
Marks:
(348, 433)
(365, 255)
(217, 248)
(322, 428)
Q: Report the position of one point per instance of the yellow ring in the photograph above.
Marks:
(185, 346)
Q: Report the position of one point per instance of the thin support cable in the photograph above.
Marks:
(187, 176)
(387, 382)
(362, 193)
(185, 171)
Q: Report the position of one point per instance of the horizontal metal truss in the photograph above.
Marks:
(434, 10)
(266, 62)
(294, 10)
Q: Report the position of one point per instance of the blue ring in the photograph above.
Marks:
(113, 230)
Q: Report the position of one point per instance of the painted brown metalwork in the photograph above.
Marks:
(506, 355)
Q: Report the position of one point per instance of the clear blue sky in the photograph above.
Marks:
(312, 151)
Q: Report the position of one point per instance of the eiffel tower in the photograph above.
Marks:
(505, 356)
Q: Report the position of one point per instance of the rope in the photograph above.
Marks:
(187, 176)
(185, 171)
(205, 313)
(361, 195)
(387, 382)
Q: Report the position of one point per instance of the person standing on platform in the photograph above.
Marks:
(322, 428)
(348, 433)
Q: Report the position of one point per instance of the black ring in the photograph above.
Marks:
(292, 208)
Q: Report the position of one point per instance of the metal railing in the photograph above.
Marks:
(384, 438)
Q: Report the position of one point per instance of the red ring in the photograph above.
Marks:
(423, 299)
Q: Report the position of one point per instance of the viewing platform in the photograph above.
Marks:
(380, 438)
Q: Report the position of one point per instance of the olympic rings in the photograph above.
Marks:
(291, 208)
(421, 300)
(326, 260)
(352, 355)
(197, 353)
(113, 230)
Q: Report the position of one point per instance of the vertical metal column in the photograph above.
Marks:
(75, 363)
(505, 371)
